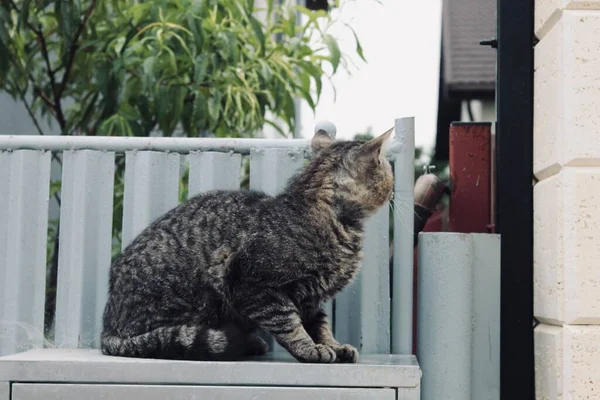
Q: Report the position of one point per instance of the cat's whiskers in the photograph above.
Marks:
(398, 210)
(401, 204)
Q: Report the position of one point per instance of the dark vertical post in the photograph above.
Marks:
(514, 194)
(470, 169)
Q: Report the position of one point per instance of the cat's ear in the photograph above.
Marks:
(377, 147)
(320, 141)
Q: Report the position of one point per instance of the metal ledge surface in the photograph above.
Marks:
(90, 366)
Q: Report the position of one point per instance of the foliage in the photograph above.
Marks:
(128, 67)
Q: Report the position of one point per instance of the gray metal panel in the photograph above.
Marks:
(348, 314)
(90, 366)
(486, 307)
(459, 315)
(270, 170)
(402, 275)
(362, 314)
(24, 191)
(4, 391)
(85, 246)
(408, 393)
(375, 282)
(151, 189)
(328, 308)
(214, 171)
(30, 391)
(181, 145)
(445, 301)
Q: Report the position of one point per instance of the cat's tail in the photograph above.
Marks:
(177, 342)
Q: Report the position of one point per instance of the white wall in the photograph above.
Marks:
(567, 199)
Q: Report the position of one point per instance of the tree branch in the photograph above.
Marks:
(33, 118)
(73, 47)
(56, 95)
(38, 92)
(55, 103)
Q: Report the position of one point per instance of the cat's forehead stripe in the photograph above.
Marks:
(337, 146)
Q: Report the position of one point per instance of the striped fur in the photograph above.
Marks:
(202, 279)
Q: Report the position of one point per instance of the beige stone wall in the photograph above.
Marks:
(567, 199)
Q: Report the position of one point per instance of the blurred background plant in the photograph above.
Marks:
(223, 68)
(125, 67)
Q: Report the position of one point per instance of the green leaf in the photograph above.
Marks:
(140, 12)
(24, 16)
(87, 113)
(65, 22)
(179, 93)
(200, 68)
(226, 46)
(334, 51)
(4, 21)
(128, 112)
(258, 32)
(146, 116)
(162, 103)
(291, 26)
(55, 187)
(148, 70)
(4, 64)
(304, 89)
(186, 118)
(199, 112)
(316, 74)
(214, 105)
(359, 49)
(197, 32)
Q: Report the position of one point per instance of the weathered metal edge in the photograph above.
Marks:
(61, 365)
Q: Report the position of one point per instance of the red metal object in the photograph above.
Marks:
(435, 222)
(470, 174)
(471, 197)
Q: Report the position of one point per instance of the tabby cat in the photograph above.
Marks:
(200, 281)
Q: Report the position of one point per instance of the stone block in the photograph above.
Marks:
(567, 247)
(567, 94)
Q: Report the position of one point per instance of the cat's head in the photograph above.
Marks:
(358, 171)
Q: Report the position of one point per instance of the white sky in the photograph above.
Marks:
(401, 41)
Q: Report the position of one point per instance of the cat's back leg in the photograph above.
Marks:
(186, 342)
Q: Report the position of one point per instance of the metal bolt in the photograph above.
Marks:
(428, 168)
(493, 43)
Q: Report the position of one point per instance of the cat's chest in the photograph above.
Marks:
(341, 272)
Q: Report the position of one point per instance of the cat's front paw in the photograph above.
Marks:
(320, 353)
(346, 354)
